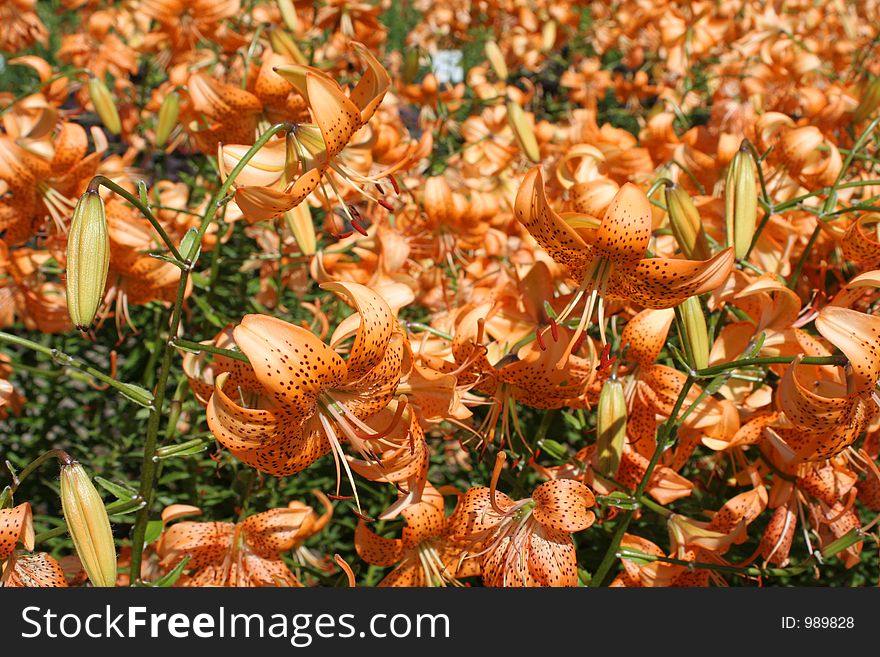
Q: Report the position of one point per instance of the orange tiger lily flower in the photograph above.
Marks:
(312, 150)
(182, 24)
(20, 26)
(136, 278)
(538, 374)
(246, 553)
(215, 112)
(608, 259)
(303, 399)
(19, 568)
(637, 574)
(27, 294)
(425, 554)
(829, 416)
(525, 542)
(44, 180)
(653, 390)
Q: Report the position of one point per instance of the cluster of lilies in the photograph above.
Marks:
(695, 292)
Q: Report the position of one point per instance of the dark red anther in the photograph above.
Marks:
(379, 187)
(359, 227)
(354, 212)
(606, 361)
(540, 340)
(394, 183)
(554, 330)
(578, 342)
(385, 204)
(340, 497)
(360, 515)
(342, 236)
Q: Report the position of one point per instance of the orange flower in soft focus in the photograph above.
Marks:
(20, 26)
(44, 180)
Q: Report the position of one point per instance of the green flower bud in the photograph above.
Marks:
(88, 525)
(610, 427)
(696, 337)
(167, 117)
(88, 259)
(104, 105)
(684, 219)
(741, 201)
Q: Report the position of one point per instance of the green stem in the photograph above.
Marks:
(429, 329)
(150, 461)
(135, 393)
(709, 372)
(98, 181)
(796, 274)
(17, 478)
(664, 440)
(189, 345)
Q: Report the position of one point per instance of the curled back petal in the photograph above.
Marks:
(275, 441)
(562, 504)
(371, 88)
(375, 549)
(858, 336)
(16, 526)
(274, 531)
(292, 365)
(625, 231)
(645, 335)
(374, 327)
(554, 235)
(666, 282)
(264, 203)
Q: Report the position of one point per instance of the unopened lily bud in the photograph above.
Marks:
(168, 114)
(410, 65)
(283, 44)
(870, 100)
(496, 59)
(684, 219)
(610, 427)
(104, 105)
(548, 36)
(741, 201)
(88, 525)
(88, 259)
(523, 132)
(299, 221)
(695, 334)
(288, 15)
